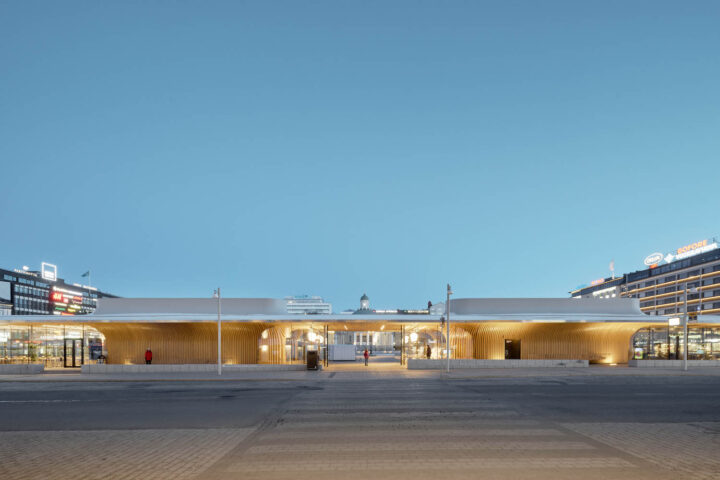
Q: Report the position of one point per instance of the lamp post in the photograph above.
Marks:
(447, 319)
(685, 327)
(219, 329)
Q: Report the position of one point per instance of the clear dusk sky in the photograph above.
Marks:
(334, 148)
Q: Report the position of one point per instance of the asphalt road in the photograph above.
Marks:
(78, 406)
(548, 427)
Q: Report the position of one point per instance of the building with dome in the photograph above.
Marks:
(364, 305)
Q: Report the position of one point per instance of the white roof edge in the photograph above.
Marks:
(397, 318)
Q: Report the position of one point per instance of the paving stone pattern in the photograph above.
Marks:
(419, 431)
(412, 429)
(114, 454)
(683, 448)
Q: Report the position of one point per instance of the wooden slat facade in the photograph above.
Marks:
(256, 342)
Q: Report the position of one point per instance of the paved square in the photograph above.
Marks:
(388, 426)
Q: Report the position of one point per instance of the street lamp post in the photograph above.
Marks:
(219, 330)
(685, 327)
(447, 319)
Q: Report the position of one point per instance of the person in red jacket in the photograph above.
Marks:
(148, 356)
(366, 354)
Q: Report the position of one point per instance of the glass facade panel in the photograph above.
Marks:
(46, 344)
(653, 344)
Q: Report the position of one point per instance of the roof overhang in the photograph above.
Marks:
(340, 318)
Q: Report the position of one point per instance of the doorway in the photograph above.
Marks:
(512, 349)
(73, 353)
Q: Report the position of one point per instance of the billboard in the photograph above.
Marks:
(66, 302)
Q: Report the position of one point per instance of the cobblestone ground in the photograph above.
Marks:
(683, 448)
(420, 431)
(410, 429)
(114, 454)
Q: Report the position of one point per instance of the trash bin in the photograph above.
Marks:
(312, 360)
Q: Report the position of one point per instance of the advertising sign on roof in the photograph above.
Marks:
(695, 249)
(653, 259)
(686, 251)
(49, 271)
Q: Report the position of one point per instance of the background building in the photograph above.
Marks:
(305, 305)
(30, 292)
(661, 288)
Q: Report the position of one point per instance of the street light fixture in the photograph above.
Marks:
(685, 325)
(447, 319)
(216, 294)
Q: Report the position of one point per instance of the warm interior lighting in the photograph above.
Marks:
(413, 337)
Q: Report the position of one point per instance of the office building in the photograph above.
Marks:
(28, 292)
(305, 304)
(661, 287)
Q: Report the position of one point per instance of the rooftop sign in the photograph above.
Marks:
(653, 259)
(695, 249)
(686, 251)
(49, 271)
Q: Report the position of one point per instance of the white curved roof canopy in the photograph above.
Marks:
(168, 306)
(171, 310)
(515, 306)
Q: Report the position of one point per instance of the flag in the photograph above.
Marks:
(86, 274)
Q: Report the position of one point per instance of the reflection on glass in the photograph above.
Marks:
(46, 344)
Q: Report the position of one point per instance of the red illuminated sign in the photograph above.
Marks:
(66, 302)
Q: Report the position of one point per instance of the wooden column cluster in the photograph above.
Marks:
(180, 342)
(272, 345)
(461, 342)
(596, 342)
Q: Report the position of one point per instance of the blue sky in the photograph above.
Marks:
(335, 148)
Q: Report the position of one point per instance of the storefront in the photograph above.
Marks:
(666, 342)
(52, 345)
(182, 331)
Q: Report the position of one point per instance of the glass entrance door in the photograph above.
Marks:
(74, 352)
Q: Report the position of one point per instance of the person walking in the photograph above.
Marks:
(148, 356)
(428, 352)
(366, 354)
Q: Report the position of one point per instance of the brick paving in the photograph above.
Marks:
(114, 454)
(415, 429)
(422, 431)
(683, 448)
